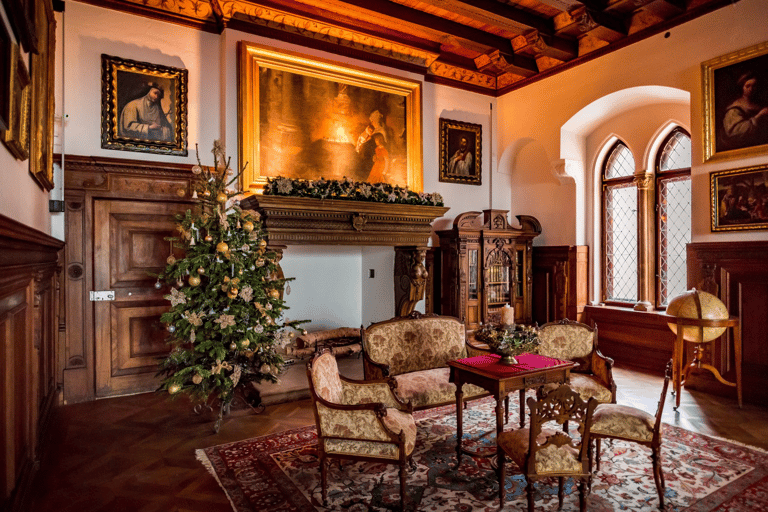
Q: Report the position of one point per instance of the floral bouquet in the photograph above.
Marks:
(509, 341)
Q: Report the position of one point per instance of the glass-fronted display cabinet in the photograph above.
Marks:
(485, 263)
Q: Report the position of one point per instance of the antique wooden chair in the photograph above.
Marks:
(577, 342)
(358, 420)
(613, 421)
(547, 451)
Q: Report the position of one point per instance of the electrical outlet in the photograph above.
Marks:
(371, 273)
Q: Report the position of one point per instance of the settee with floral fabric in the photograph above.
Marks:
(414, 351)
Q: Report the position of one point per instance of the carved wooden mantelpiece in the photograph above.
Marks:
(300, 220)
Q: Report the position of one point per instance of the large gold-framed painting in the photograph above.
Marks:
(735, 93)
(305, 118)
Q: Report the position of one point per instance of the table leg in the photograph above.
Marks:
(459, 420)
(677, 358)
(737, 355)
(499, 421)
(522, 408)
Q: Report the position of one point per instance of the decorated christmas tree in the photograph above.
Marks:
(226, 310)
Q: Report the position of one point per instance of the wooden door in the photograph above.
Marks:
(129, 245)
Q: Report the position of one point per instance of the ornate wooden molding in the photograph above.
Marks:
(299, 220)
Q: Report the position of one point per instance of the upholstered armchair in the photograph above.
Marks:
(626, 423)
(577, 342)
(358, 420)
(541, 451)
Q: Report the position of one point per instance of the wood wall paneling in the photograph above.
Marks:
(560, 282)
(29, 268)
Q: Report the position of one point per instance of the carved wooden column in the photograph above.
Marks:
(646, 243)
(410, 278)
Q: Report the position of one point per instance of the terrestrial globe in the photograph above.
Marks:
(709, 307)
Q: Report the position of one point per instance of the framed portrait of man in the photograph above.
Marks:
(460, 152)
(143, 107)
(736, 103)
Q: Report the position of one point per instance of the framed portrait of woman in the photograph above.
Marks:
(736, 103)
(143, 107)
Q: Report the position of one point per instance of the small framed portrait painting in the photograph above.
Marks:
(736, 103)
(739, 198)
(143, 107)
(460, 152)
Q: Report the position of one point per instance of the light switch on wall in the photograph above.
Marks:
(371, 273)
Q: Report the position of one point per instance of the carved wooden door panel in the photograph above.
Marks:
(129, 244)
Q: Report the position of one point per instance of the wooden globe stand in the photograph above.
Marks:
(679, 377)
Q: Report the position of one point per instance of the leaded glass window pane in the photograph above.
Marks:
(620, 163)
(676, 153)
(674, 235)
(621, 242)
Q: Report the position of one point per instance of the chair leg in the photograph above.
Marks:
(597, 455)
(502, 472)
(560, 492)
(402, 486)
(529, 489)
(658, 475)
(582, 496)
(324, 477)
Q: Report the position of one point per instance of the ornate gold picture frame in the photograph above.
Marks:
(16, 137)
(306, 118)
(143, 107)
(42, 108)
(735, 95)
(739, 198)
(460, 152)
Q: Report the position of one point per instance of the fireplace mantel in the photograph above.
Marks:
(301, 220)
(406, 227)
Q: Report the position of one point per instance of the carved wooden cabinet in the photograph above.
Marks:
(484, 264)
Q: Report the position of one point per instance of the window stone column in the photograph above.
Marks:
(646, 242)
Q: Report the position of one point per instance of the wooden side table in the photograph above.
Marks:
(533, 371)
(680, 375)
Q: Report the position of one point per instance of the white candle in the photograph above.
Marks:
(507, 315)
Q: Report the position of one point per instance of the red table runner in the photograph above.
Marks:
(526, 362)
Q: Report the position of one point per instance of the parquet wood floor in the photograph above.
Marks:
(136, 453)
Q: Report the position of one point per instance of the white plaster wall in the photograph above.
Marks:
(21, 198)
(531, 118)
(92, 31)
(378, 296)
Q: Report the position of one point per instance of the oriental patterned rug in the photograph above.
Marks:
(280, 472)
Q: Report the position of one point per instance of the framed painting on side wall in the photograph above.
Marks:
(460, 152)
(16, 137)
(306, 118)
(739, 198)
(42, 107)
(736, 103)
(6, 76)
(143, 107)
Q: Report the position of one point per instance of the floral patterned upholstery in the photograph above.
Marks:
(623, 421)
(577, 342)
(415, 344)
(431, 387)
(359, 420)
(548, 460)
(567, 341)
(587, 386)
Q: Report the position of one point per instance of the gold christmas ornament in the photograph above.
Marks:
(171, 260)
(248, 226)
(262, 243)
(274, 293)
(206, 193)
(200, 270)
(222, 247)
(236, 280)
(194, 281)
(174, 388)
(240, 272)
(245, 342)
(179, 283)
(233, 346)
(226, 279)
(208, 238)
(222, 197)
(197, 379)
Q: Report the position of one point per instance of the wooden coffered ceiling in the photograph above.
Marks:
(488, 46)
